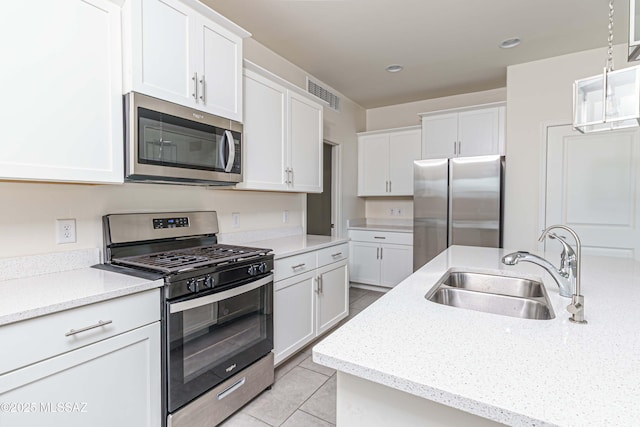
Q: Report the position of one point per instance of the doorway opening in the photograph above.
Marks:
(322, 208)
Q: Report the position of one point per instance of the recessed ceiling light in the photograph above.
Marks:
(509, 43)
(394, 68)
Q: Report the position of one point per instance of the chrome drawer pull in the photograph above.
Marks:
(97, 325)
(379, 237)
(337, 254)
(231, 389)
(298, 266)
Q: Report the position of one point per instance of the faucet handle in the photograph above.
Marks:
(568, 255)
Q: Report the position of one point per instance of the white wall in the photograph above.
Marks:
(29, 210)
(539, 93)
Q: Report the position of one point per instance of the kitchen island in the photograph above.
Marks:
(408, 361)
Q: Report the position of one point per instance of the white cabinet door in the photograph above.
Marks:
(164, 63)
(333, 296)
(221, 72)
(282, 136)
(479, 132)
(364, 261)
(470, 132)
(439, 136)
(61, 83)
(293, 314)
(373, 165)
(179, 55)
(305, 144)
(404, 148)
(396, 264)
(115, 382)
(264, 134)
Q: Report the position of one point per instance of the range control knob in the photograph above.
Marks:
(253, 270)
(192, 285)
(263, 267)
(208, 281)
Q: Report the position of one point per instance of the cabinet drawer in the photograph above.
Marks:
(294, 265)
(397, 238)
(333, 254)
(32, 340)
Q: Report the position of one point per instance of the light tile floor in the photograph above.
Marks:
(304, 393)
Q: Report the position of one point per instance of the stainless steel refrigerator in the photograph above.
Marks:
(456, 202)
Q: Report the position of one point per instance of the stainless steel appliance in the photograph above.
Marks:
(169, 143)
(456, 202)
(217, 310)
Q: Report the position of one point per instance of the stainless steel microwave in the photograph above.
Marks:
(170, 143)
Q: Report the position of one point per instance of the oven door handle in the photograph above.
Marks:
(209, 299)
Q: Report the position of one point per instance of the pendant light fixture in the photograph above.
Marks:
(610, 100)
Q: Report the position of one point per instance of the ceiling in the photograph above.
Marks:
(447, 47)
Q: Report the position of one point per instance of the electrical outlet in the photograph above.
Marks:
(399, 212)
(66, 231)
(235, 219)
(285, 216)
(391, 211)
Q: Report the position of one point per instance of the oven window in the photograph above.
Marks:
(212, 342)
(172, 141)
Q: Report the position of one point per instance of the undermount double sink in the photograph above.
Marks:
(492, 293)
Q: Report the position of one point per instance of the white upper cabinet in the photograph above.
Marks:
(282, 149)
(385, 161)
(62, 88)
(462, 133)
(184, 52)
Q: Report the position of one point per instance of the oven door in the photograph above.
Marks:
(212, 337)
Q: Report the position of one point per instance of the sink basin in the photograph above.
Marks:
(490, 293)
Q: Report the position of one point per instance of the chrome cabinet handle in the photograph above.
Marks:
(195, 86)
(459, 148)
(455, 147)
(379, 237)
(232, 388)
(321, 284)
(317, 287)
(389, 186)
(381, 253)
(298, 266)
(337, 254)
(203, 95)
(87, 328)
(377, 253)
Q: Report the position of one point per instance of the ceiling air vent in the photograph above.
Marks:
(323, 93)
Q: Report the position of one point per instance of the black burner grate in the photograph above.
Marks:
(199, 256)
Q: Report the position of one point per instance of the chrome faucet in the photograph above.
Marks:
(567, 276)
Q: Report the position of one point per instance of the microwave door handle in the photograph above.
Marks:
(232, 151)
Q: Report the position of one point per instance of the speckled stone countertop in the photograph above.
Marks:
(515, 371)
(401, 226)
(293, 245)
(28, 297)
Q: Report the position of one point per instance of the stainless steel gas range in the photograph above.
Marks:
(217, 310)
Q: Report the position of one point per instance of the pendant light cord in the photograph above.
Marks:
(610, 48)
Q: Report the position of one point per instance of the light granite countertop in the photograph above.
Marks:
(400, 226)
(515, 371)
(28, 297)
(294, 245)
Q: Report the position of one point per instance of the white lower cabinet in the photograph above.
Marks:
(380, 258)
(114, 381)
(309, 299)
